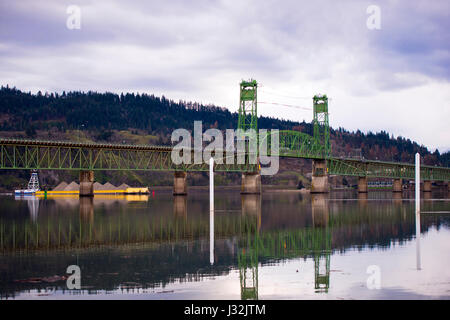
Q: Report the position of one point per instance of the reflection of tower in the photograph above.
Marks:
(248, 272)
(251, 206)
(87, 209)
(33, 206)
(322, 242)
(322, 270)
(180, 206)
(248, 251)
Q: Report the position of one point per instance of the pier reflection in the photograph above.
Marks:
(251, 207)
(362, 199)
(320, 210)
(87, 209)
(180, 206)
(397, 198)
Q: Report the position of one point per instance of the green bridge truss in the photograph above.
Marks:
(294, 144)
(384, 169)
(51, 155)
(58, 155)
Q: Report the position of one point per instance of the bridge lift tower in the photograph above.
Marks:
(319, 182)
(247, 122)
(321, 123)
(248, 111)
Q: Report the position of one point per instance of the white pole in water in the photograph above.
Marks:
(211, 210)
(418, 210)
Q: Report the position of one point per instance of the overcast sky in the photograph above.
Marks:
(395, 78)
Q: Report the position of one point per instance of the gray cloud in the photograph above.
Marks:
(414, 38)
(201, 49)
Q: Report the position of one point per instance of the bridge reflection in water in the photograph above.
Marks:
(255, 244)
(248, 247)
(248, 236)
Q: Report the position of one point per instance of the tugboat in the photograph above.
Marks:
(33, 186)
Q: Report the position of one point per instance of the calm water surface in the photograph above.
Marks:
(273, 246)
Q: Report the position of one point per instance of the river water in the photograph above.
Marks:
(280, 245)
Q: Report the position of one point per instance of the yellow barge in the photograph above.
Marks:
(68, 192)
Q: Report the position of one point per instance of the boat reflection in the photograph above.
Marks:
(32, 203)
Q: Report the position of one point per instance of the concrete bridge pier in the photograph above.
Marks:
(87, 183)
(179, 183)
(319, 180)
(397, 185)
(362, 185)
(251, 183)
(427, 186)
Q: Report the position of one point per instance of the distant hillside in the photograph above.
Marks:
(102, 114)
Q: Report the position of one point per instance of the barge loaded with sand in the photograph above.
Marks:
(74, 188)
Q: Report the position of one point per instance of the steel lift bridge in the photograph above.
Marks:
(90, 157)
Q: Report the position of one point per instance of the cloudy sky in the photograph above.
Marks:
(395, 78)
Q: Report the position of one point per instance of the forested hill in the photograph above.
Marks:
(102, 116)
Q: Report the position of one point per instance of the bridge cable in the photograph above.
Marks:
(286, 96)
(286, 105)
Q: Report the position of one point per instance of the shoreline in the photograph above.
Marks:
(264, 188)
